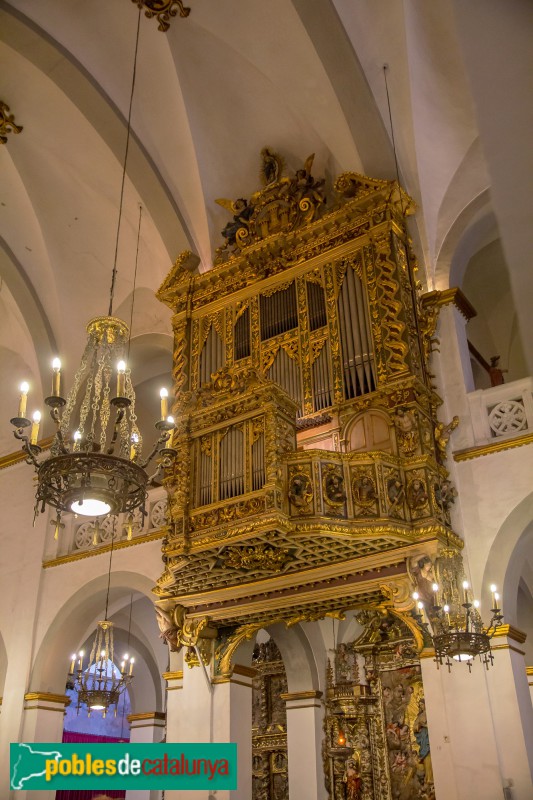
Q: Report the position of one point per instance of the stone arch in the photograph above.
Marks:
(303, 653)
(74, 622)
(509, 550)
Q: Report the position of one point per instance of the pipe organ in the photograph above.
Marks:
(309, 474)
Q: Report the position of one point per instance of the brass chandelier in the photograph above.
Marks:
(100, 684)
(95, 466)
(454, 622)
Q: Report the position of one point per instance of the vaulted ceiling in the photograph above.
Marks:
(301, 76)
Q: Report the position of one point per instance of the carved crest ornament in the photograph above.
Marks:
(308, 323)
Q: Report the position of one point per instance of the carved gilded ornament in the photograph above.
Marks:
(405, 422)
(163, 11)
(261, 557)
(283, 205)
(7, 123)
(333, 486)
(364, 491)
(300, 490)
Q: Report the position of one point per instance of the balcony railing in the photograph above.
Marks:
(82, 535)
(502, 412)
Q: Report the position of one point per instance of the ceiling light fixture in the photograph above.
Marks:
(95, 465)
(100, 683)
(453, 621)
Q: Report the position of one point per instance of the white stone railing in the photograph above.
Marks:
(80, 535)
(502, 412)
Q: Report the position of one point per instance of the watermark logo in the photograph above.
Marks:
(123, 766)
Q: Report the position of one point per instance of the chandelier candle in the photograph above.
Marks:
(24, 389)
(35, 427)
(56, 377)
(163, 394)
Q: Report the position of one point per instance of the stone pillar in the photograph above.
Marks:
(232, 722)
(512, 712)
(478, 726)
(43, 717)
(305, 714)
(146, 728)
(220, 711)
(42, 722)
(174, 681)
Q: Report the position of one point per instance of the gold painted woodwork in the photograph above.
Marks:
(310, 695)
(163, 11)
(7, 123)
(453, 296)
(308, 543)
(173, 676)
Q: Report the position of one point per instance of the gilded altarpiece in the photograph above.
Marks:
(310, 476)
(269, 725)
(376, 744)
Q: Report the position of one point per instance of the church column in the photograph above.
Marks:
(42, 722)
(43, 717)
(174, 681)
(220, 711)
(146, 728)
(305, 714)
(512, 712)
(232, 722)
(463, 730)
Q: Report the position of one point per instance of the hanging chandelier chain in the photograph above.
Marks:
(109, 572)
(128, 136)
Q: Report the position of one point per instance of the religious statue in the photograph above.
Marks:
(364, 491)
(352, 778)
(333, 484)
(406, 430)
(495, 373)
(442, 436)
(300, 490)
(417, 497)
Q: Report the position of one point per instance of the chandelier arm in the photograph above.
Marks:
(31, 450)
(162, 439)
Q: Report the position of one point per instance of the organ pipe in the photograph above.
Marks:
(286, 372)
(232, 464)
(258, 463)
(354, 330)
(212, 357)
(279, 312)
(321, 380)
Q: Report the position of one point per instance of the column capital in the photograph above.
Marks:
(146, 715)
(511, 632)
(173, 676)
(46, 701)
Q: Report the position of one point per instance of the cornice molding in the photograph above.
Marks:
(511, 632)
(452, 296)
(493, 447)
(148, 537)
(48, 697)
(147, 715)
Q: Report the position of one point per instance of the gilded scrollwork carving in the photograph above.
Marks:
(259, 557)
(163, 11)
(442, 437)
(7, 123)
